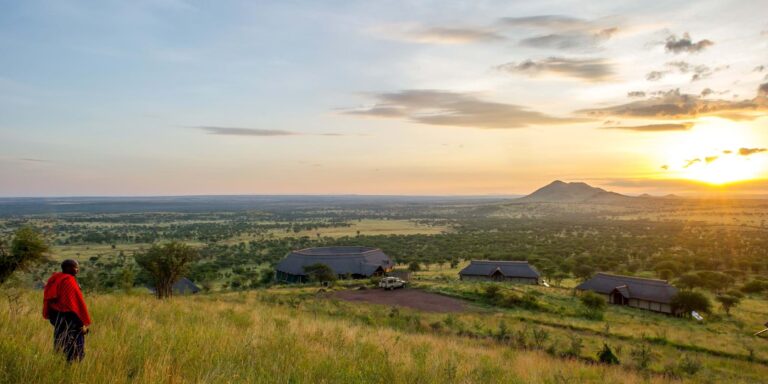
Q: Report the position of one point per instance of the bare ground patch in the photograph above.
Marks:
(411, 298)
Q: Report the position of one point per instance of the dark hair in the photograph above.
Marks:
(68, 263)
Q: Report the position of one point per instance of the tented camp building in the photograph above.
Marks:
(492, 270)
(649, 294)
(352, 262)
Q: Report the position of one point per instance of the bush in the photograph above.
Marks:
(755, 286)
(606, 356)
(594, 305)
(320, 273)
(492, 293)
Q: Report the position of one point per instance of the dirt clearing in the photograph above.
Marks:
(411, 298)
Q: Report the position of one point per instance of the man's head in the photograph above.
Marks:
(71, 267)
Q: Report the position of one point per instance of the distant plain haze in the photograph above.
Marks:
(174, 97)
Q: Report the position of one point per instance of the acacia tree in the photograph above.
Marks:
(28, 247)
(166, 264)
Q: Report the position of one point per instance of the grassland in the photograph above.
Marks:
(247, 338)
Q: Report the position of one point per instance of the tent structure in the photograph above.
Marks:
(496, 270)
(354, 262)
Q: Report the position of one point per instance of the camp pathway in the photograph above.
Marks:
(412, 298)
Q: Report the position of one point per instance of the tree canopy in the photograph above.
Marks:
(166, 264)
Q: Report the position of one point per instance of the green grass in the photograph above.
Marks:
(267, 338)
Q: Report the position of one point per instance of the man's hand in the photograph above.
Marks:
(85, 330)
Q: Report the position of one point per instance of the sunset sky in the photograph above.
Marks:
(173, 97)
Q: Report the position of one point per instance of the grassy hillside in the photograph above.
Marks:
(266, 338)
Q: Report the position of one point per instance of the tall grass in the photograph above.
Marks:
(236, 338)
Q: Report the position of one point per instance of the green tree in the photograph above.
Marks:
(166, 264)
(320, 273)
(687, 301)
(728, 302)
(414, 266)
(27, 248)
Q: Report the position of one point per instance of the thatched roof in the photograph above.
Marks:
(630, 287)
(506, 268)
(342, 260)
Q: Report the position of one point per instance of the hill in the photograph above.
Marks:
(576, 192)
(270, 338)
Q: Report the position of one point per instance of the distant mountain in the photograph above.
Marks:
(562, 192)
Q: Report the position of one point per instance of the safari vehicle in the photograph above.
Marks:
(391, 282)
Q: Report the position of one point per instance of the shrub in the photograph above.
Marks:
(606, 356)
(320, 273)
(492, 293)
(755, 286)
(27, 248)
(594, 305)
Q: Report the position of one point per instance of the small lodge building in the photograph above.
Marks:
(649, 294)
(182, 286)
(346, 262)
(492, 270)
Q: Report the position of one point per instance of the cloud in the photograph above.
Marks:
(440, 35)
(706, 92)
(699, 72)
(230, 131)
(445, 108)
(750, 186)
(675, 105)
(751, 151)
(555, 22)
(654, 127)
(665, 167)
(234, 131)
(685, 44)
(759, 68)
(585, 69)
(727, 151)
(654, 75)
(710, 159)
(636, 94)
(566, 32)
(568, 41)
(691, 162)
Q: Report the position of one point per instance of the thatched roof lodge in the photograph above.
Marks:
(493, 270)
(354, 262)
(649, 294)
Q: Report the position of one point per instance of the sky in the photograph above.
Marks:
(175, 97)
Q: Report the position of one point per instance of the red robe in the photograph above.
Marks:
(62, 294)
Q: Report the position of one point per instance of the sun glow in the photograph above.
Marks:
(710, 153)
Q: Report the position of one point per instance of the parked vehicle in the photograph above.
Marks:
(391, 282)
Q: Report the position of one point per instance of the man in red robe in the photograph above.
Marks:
(64, 307)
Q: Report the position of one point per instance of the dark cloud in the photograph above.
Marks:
(654, 127)
(685, 44)
(636, 94)
(759, 68)
(762, 90)
(454, 35)
(234, 131)
(710, 159)
(455, 109)
(654, 75)
(675, 105)
(586, 69)
(751, 151)
(706, 92)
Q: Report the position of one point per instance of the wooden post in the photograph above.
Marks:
(761, 332)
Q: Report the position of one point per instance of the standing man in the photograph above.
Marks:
(64, 307)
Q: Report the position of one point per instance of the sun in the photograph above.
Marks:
(709, 153)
